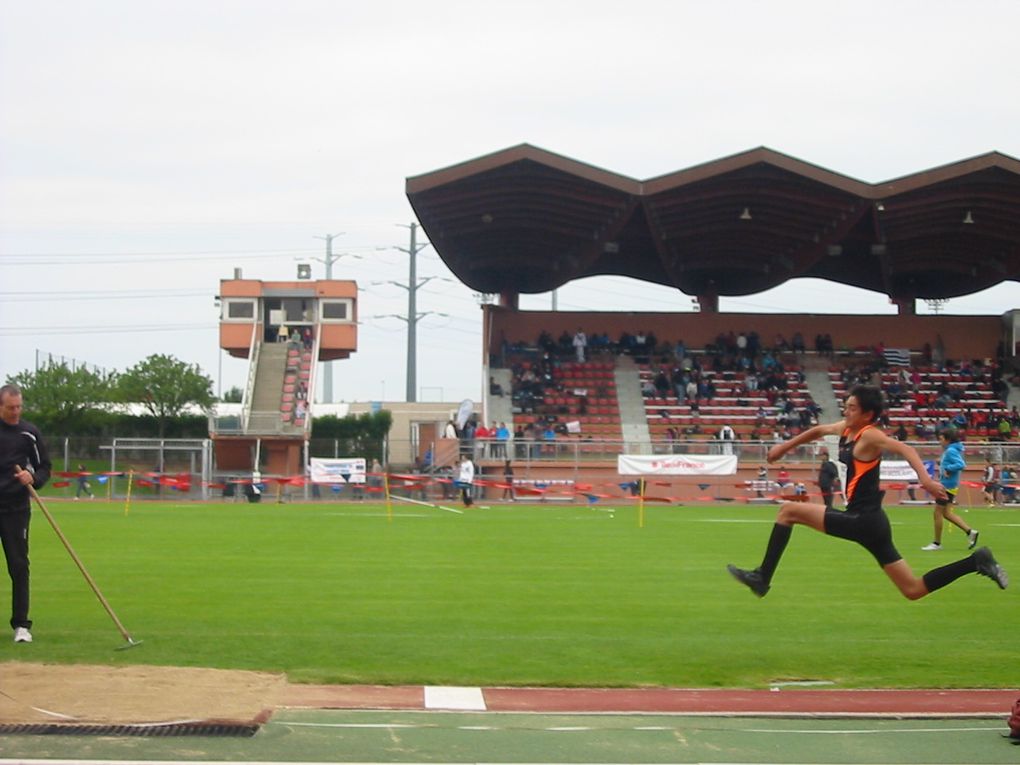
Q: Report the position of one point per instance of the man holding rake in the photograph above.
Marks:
(23, 463)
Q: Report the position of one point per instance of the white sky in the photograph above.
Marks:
(149, 148)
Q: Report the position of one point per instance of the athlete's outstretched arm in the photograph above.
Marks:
(883, 442)
(804, 437)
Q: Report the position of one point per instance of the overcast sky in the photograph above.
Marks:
(148, 148)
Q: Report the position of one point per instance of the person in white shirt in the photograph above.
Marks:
(465, 479)
(727, 436)
(580, 343)
(991, 487)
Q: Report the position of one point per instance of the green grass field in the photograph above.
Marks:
(518, 595)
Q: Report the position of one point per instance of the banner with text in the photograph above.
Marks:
(900, 470)
(677, 464)
(342, 470)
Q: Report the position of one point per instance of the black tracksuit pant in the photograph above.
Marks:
(14, 535)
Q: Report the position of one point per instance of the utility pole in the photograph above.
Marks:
(413, 314)
(329, 260)
(412, 251)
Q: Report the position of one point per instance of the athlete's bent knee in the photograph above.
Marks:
(787, 514)
(797, 512)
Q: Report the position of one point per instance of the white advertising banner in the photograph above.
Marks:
(900, 470)
(342, 470)
(677, 464)
(896, 470)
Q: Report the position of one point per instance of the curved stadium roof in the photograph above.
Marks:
(525, 220)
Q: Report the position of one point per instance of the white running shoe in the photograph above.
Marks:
(972, 539)
(932, 546)
(22, 635)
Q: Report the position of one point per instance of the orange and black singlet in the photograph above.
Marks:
(864, 521)
(862, 485)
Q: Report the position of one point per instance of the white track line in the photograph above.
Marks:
(651, 728)
(734, 520)
(272, 762)
(867, 731)
(427, 504)
(265, 762)
(370, 726)
(380, 515)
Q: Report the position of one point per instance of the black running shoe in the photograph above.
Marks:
(987, 566)
(752, 579)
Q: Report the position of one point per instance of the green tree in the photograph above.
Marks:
(63, 400)
(234, 396)
(362, 435)
(371, 425)
(166, 386)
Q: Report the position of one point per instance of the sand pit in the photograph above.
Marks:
(83, 695)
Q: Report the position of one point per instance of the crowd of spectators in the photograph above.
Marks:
(940, 395)
(747, 372)
(550, 398)
(479, 441)
(638, 344)
(295, 387)
(750, 368)
(747, 368)
(645, 345)
(1002, 484)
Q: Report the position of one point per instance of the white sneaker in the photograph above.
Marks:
(972, 539)
(22, 635)
(932, 546)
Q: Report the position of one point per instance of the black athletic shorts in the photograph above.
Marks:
(949, 500)
(869, 528)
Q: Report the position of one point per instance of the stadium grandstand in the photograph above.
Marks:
(578, 388)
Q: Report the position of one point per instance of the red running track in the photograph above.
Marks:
(783, 702)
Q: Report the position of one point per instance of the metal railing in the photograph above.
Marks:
(568, 460)
(578, 451)
(254, 349)
(312, 377)
(567, 452)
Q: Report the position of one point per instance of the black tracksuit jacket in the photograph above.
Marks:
(21, 444)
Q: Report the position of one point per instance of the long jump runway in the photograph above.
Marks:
(414, 724)
(780, 701)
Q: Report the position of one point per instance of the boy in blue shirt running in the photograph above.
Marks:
(950, 467)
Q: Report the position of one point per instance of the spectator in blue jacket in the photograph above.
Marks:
(950, 467)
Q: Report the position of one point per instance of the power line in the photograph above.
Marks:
(52, 296)
(147, 253)
(108, 329)
(162, 254)
(121, 258)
